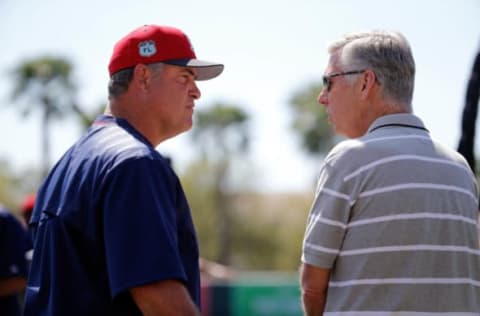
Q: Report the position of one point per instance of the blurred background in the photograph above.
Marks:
(249, 164)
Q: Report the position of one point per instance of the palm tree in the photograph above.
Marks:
(220, 133)
(45, 84)
(310, 120)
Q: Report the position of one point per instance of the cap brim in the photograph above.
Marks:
(205, 70)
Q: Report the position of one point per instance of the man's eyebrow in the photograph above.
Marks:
(190, 71)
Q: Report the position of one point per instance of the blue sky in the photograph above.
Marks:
(270, 50)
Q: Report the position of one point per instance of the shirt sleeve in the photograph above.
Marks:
(14, 245)
(140, 230)
(328, 218)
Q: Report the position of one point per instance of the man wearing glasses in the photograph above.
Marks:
(393, 227)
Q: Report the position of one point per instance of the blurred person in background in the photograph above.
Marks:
(27, 207)
(13, 264)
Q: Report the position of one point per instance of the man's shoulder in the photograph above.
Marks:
(98, 154)
(347, 149)
(448, 152)
(112, 144)
(114, 140)
(365, 150)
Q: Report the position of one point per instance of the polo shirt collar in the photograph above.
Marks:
(401, 119)
(104, 119)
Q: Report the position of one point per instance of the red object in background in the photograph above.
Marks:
(27, 207)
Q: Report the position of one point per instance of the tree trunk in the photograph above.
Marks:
(223, 214)
(45, 150)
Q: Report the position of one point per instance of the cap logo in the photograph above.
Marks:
(147, 48)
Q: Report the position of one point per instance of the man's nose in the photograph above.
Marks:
(195, 92)
(322, 97)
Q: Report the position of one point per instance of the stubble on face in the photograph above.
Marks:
(174, 99)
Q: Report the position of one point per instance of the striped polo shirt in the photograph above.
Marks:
(395, 217)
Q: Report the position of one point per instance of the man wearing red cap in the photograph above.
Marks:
(113, 233)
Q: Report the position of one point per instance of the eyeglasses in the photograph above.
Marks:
(327, 83)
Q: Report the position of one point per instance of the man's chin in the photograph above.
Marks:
(188, 126)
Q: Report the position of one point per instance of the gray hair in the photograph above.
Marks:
(387, 54)
(120, 80)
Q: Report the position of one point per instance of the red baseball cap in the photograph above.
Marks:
(152, 44)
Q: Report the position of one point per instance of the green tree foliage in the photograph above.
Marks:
(269, 230)
(266, 230)
(197, 182)
(15, 187)
(8, 194)
(220, 133)
(86, 119)
(45, 84)
(245, 229)
(310, 120)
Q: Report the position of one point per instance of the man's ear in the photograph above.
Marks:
(369, 79)
(141, 76)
